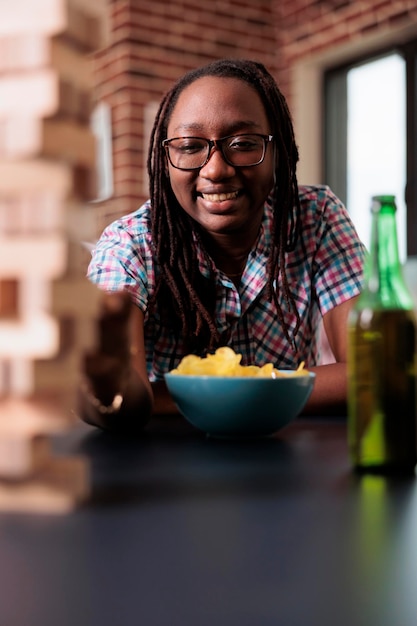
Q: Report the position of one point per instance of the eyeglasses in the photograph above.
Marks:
(192, 153)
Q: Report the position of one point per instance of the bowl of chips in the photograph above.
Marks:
(223, 398)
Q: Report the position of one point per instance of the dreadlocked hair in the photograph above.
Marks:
(183, 297)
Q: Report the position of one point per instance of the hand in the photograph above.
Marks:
(107, 367)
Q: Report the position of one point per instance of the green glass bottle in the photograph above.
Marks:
(382, 357)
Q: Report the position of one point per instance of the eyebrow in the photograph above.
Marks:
(236, 126)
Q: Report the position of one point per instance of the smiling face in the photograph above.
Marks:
(222, 198)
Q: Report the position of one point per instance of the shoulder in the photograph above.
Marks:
(122, 257)
(133, 224)
(322, 210)
(318, 198)
(125, 240)
(130, 232)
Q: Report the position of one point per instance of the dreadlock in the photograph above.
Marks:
(180, 288)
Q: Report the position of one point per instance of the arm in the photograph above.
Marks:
(116, 370)
(329, 396)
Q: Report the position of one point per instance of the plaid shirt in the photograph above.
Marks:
(324, 270)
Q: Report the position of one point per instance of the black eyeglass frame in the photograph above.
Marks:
(218, 143)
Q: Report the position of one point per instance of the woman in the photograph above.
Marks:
(228, 251)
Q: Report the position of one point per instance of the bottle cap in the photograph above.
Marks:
(381, 200)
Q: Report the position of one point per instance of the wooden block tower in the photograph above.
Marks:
(47, 306)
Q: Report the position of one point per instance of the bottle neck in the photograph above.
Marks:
(383, 277)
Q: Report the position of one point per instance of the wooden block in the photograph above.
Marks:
(19, 377)
(76, 297)
(29, 94)
(95, 8)
(34, 335)
(76, 80)
(71, 64)
(58, 488)
(33, 416)
(84, 183)
(43, 256)
(74, 102)
(60, 374)
(22, 52)
(25, 16)
(45, 179)
(22, 454)
(9, 298)
(38, 175)
(4, 378)
(83, 28)
(76, 310)
(69, 141)
(20, 137)
(32, 213)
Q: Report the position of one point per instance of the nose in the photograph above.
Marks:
(216, 167)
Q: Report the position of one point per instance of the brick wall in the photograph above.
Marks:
(312, 27)
(152, 43)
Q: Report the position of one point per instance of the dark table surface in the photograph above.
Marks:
(184, 530)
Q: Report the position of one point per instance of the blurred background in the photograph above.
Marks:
(346, 67)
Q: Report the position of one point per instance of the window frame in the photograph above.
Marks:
(334, 125)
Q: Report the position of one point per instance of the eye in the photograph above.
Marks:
(189, 145)
(244, 143)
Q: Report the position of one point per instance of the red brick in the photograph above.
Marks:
(153, 43)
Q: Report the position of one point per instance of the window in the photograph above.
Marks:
(370, 143)
(101, 128)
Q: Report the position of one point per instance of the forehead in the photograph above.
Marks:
(214, 104)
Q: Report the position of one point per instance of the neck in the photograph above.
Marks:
(231, 264)
(230, 253)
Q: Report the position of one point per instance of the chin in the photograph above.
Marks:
(225, 227)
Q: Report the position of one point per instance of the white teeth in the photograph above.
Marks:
(219, 197)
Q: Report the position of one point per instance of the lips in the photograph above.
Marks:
(219, 197)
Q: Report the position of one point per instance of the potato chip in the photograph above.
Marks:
(225, 362)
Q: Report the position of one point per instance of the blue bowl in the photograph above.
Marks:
(240, 406)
